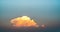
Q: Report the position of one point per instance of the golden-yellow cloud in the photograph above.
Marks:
(23, 21)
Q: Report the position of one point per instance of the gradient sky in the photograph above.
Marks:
(36, 9)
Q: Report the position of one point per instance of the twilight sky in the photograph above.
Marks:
(36, 9)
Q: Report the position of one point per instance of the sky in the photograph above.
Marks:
(36, 9)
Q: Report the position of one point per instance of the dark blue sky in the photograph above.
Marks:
(36, 9)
